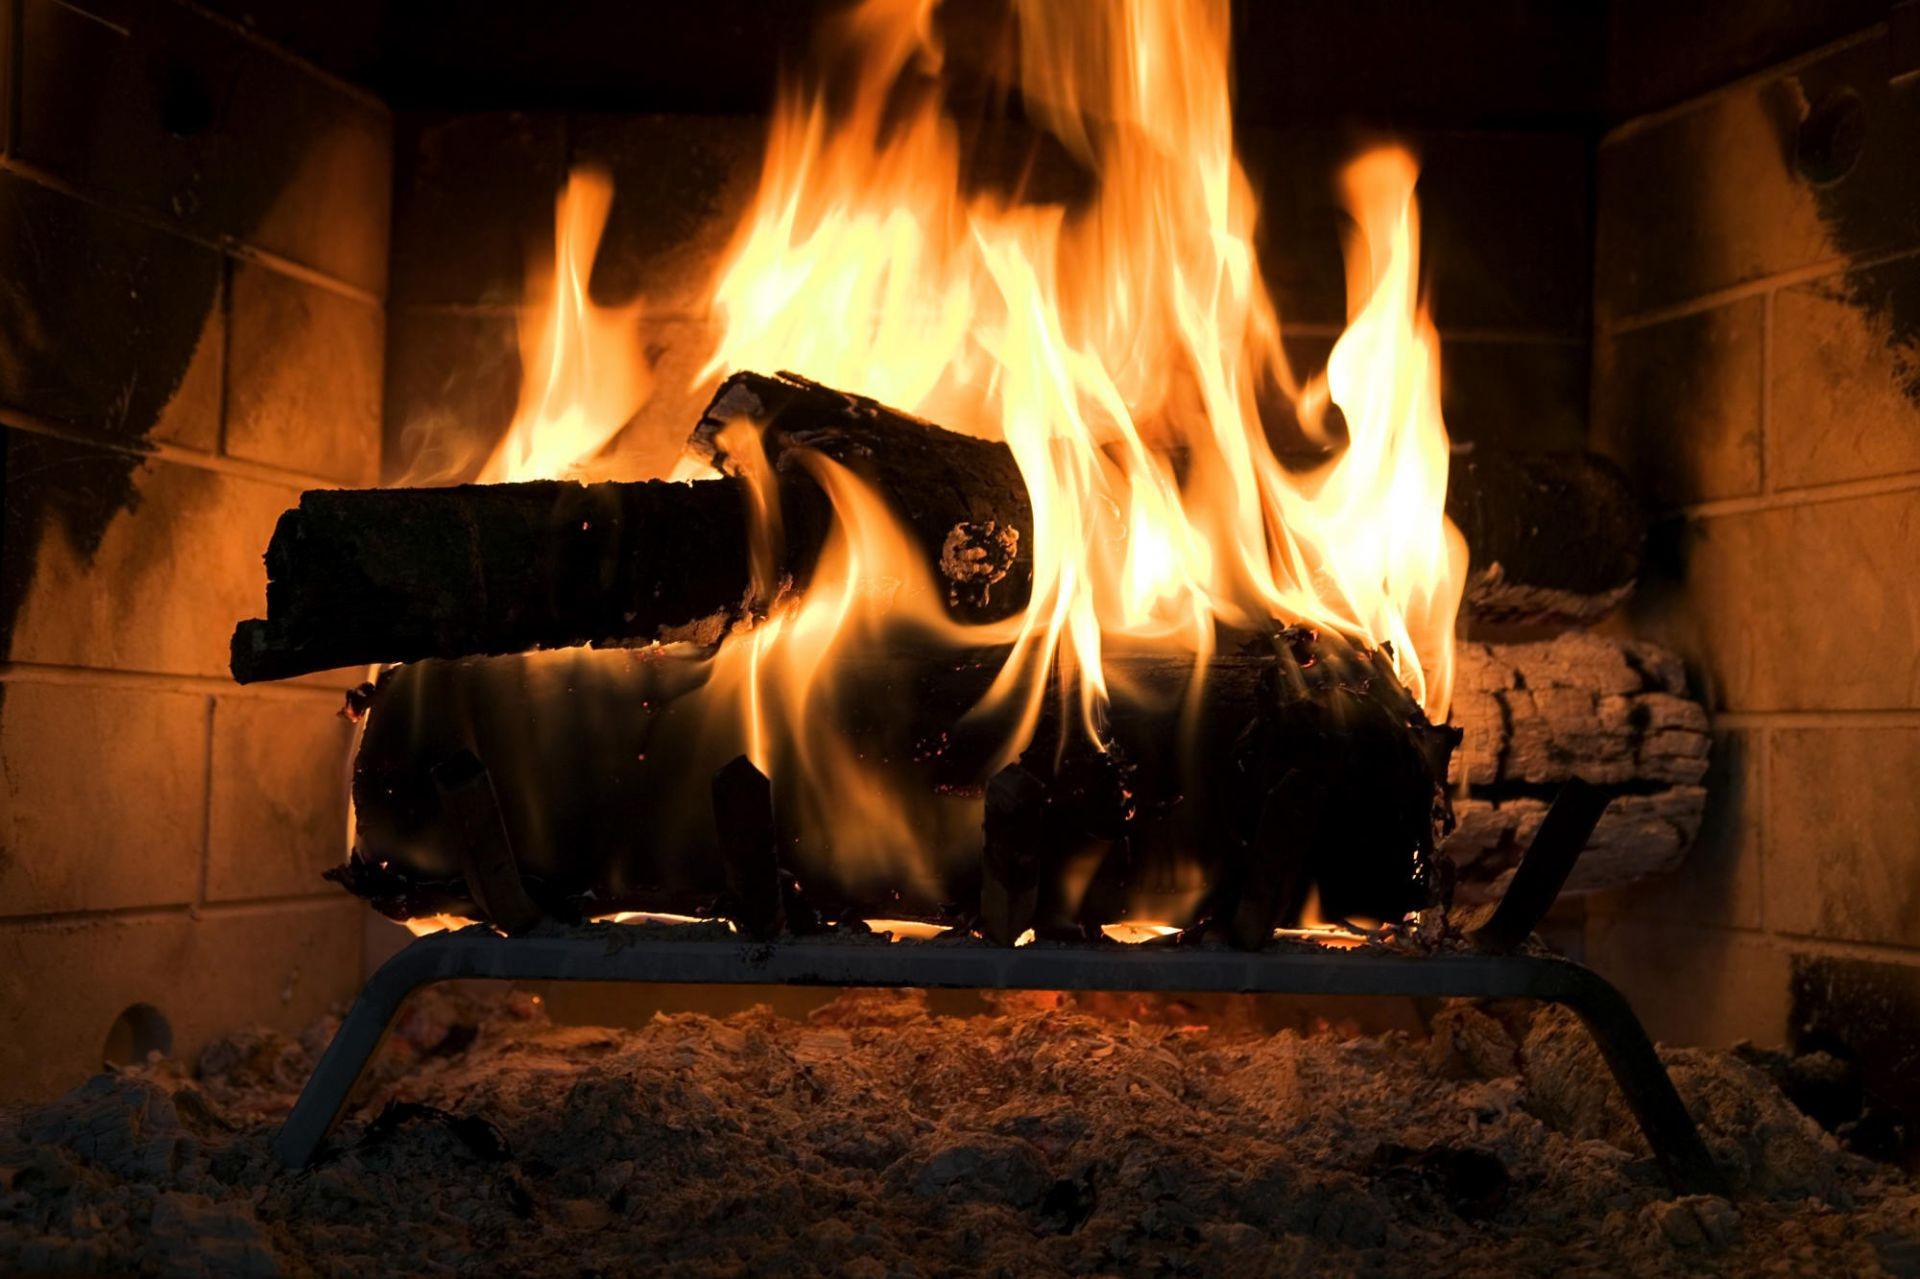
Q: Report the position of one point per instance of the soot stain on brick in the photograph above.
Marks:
(1867, 1013)
(1843, 144)
(52, 482)
(100, 317)
(99, 324)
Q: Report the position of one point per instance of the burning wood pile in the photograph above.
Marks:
(578, 743)
(1094, 614)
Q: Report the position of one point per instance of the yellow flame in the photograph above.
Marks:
(582, 373)
(427, 925)
(1124, 348)
(1121, 349)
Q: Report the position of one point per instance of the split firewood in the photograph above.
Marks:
(357, 577)
(1613, 712)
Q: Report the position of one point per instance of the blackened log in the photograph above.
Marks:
(961, 498)
(1555, 538)
(489, 867)
(358, 577)
(1014, 826)
(363, 576)
(602, 743)
(591, 752)
(1273, 878)
(743, 823)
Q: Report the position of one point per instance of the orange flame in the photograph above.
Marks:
(1125, 349)
(1116, 345)
(582, 376)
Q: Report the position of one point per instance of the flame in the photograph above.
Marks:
(427, 925)
(1124, 347)
(582, 375)
(1126, 351)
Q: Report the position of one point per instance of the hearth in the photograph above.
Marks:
(1132, 513)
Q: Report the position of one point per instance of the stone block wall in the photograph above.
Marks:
(1757, 369)
(193, 267)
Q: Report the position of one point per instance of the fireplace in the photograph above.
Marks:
(783, 476)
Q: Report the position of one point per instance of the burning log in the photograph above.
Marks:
(493, 874)
(591, 751)
(1613, 712)
(1015, 828)
(362, 576)
(357, 577)
(1272, 888)
(743, 822)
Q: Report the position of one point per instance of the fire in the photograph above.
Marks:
(582, 376)
(1115, 345)
(1124, 348)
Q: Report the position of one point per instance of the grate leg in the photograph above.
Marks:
(650, 954)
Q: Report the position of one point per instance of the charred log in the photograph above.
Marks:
(749, 851)
(358, 576)
(364, 576)
(601, 744)
(1016, 844)
(1556, 538)
(492, 873)
(591, 750)
(1272, 880)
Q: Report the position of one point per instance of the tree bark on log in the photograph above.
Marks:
(357, 577)
(1613, 712)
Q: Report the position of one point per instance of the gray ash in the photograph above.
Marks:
(1047, 1137)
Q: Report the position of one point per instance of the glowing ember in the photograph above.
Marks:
(425, 925)
(422, 925)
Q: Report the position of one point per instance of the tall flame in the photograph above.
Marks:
(581, 375)
(1124, 348)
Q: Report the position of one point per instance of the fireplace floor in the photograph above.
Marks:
(1052, 1135)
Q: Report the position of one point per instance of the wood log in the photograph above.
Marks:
(749, 851)
(1613, 712)
(1556, 538)
(1014, 826)
(357, 577)
(592, 752)
(363, 576)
